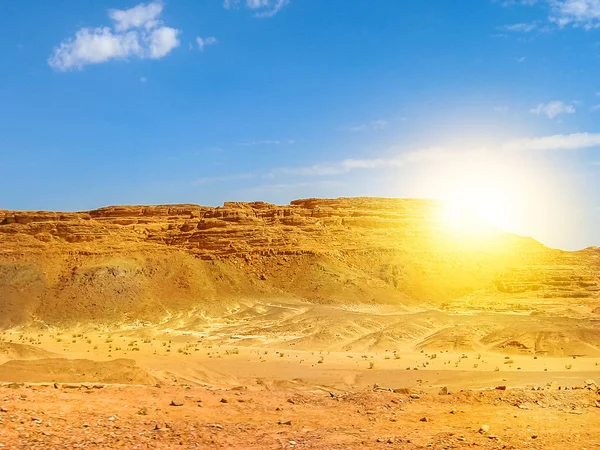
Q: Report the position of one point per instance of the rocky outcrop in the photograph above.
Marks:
(235, 228)
(121, 262)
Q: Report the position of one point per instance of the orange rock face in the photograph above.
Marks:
(304, 225)
(125, 262)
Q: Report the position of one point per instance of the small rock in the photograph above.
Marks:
(3, 409)
(534, 436)
(292, 442)
(167, 427)
(500, 388)
(484, 428)
(443, 391)
(415, 396)
(424, 419)
(284, 422)
(224, 400)
(174, 403)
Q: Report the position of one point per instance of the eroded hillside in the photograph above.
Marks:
(146, 262)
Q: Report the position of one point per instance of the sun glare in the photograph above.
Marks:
(483, 196)
(477, 211)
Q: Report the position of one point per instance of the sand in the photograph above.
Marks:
(275, 417)
(343, 376)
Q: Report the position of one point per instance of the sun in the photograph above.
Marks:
(484, 193)
(481, 198)
(477, 210)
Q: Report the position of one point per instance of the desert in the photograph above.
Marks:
(300, 224)
(326, 323)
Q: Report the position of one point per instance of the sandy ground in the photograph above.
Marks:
(273, 417)
(290, 376)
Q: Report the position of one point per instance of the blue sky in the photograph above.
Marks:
(189, 101)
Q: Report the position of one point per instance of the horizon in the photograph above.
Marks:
(159, 102)
(223, 204)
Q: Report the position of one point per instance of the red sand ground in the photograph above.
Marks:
(164, 417)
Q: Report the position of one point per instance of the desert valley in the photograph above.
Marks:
(326, 323)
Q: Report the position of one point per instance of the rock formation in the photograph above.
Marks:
(144, 262)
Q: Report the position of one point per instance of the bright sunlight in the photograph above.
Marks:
(485, 194)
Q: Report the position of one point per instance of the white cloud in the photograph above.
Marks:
(575, 141)
(143, 79)
(255, 4)
(559, 142)
(375, 125)
(205, 42)
(522, 59)
(553, 109)
(162, 41)
(137, 17)
(522, 27)
(584, 13)
(595, 108)
(267, 142)
(136, 33)
(92, 46)
(576, 13)
(261, 8)
(336, 168)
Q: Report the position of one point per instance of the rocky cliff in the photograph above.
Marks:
(145, 262)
